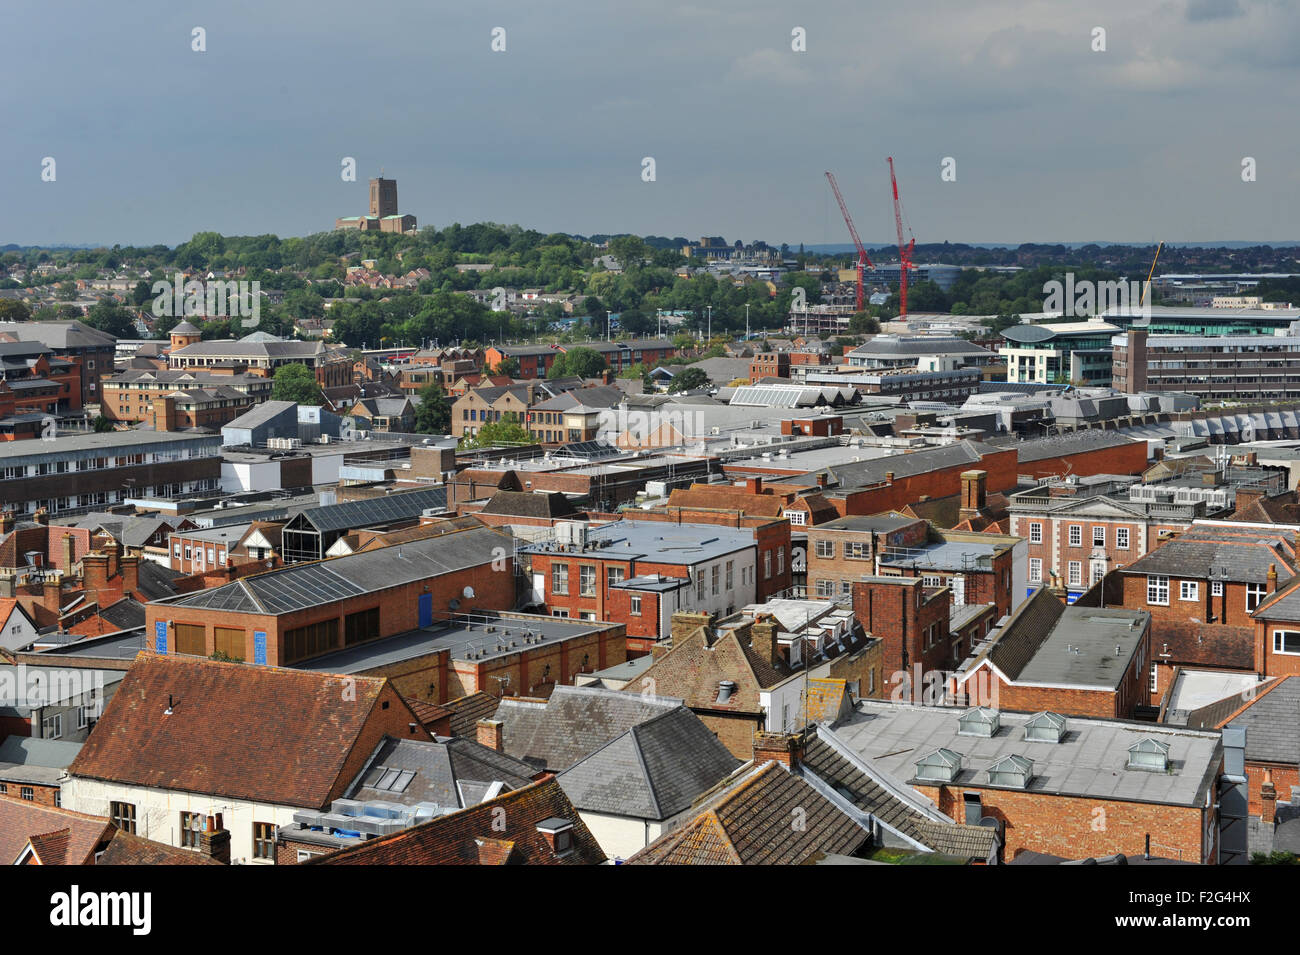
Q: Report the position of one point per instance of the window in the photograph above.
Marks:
(1286, 641)
(767, 565)
(614, 576)
(1076, 535)
(1098, 536)
(796, 518)
(857, 550)
(560, 579)
(304, 855)
(122, 815)
(191, 826)
(717, 578)
(731, 575)
(1158, 590)
(780, 560)
(635, 609)
(1155, 677)
(52, 726)
(825, 588)
(1216, 588)
(263, 840)
(825, 549)
(1075, 573)
(1189, 590)
(586, 580)
(25, 792)
(846, 587)
(560, 613)
(1254, 595)
(700, 586)
(1035, 569)
(309, 641)
(1121, 538)
(83, 717)
(1035, 533)
(931, 581)
(357, 627)
(191, 638)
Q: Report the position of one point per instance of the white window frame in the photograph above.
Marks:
(1121, 538)
(1279, 642)
(824, 549)
(1076, 535)
(1035, 532)
(1157, 590)
(1189, 590)
(1035, 570)
(1074, 573)
(797, 518)
(634, 607)
(1216, 588)
(1255, 594)
(1098, 531)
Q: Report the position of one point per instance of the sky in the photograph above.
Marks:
(1051, 139)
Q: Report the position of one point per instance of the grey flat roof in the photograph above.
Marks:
(876, 523)
(465, 637)
(13, 451)
(949, 555)
(1090, 762)
(1081, 649)
(657, 541)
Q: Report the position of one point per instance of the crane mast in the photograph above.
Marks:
(904, 248)
(864, 261)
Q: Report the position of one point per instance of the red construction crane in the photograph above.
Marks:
(864, 262)
(904, 250)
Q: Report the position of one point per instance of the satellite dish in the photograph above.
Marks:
(468, 592)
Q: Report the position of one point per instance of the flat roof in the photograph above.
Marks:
(946, 555)
(1088, 646)
(656, 541)
(102, 441)
(466, 638)
(875, 523)
(1091, 761)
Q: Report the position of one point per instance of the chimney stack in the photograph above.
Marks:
(42, 516)
(69, 555)
(973, 491)
(783, 748)
(6, 522)
(762, 636)
(130, 575)
(214, 840)
(52, 592)
(1268, 799)
(491, 733)
(1272, 578)
(94, 574)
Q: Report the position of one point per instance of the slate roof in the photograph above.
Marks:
(528, 504)
(1271, 721)
(71, 334)
(749, 823)
(888, 801)
(247, 732)
(1041, 449)
(468, 710)
(1241, 555)
(653, 771)
(576, 720)
(301, 586)
(440, 768)
(863, 473)
(475, 836)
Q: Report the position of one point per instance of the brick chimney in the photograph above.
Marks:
(42, 516)
(1268, 799)
(973, 491)
(52, 592)
(754, 485)
(214, 841)
(130, 574)
(8, 586)
(686, 622)
(784, 748)
(491, 733)
(6, 522)
(762, 636)
(68, 555)
(1272, 578)
(94, 574)
(113, 550)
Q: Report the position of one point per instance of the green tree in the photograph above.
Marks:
(113, 319)
(688, 379)
(12, 310)
(433, 416)
(507, 431)
(582, 362)
(507, 366)
(296, 383)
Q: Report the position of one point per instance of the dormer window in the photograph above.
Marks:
(978, 721)
(1150, 755)
(558, 834)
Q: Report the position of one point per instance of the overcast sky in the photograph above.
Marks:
(1052, 141)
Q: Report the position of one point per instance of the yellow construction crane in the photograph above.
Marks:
(1151, 273)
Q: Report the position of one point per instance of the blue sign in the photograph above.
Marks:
(259, 647)
(160, 635)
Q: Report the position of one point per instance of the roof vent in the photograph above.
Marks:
(941, 766)
(725, 690)
(978, 721)
(1012, 770)
(1150, 755)
(1045, 727)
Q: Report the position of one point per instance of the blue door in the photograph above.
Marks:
(426, 610)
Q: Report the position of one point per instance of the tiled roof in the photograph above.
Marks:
(499, 831)
(1026, 631)
(653, 771)
(692, 670)
(468, 710)
(1239, 554)
(247, 732)
(577, 720)
(440, 768)
(528, 504)
(750, 823)
(1204, 644)
(22, 822)
(1270, 721)
(128, 849)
